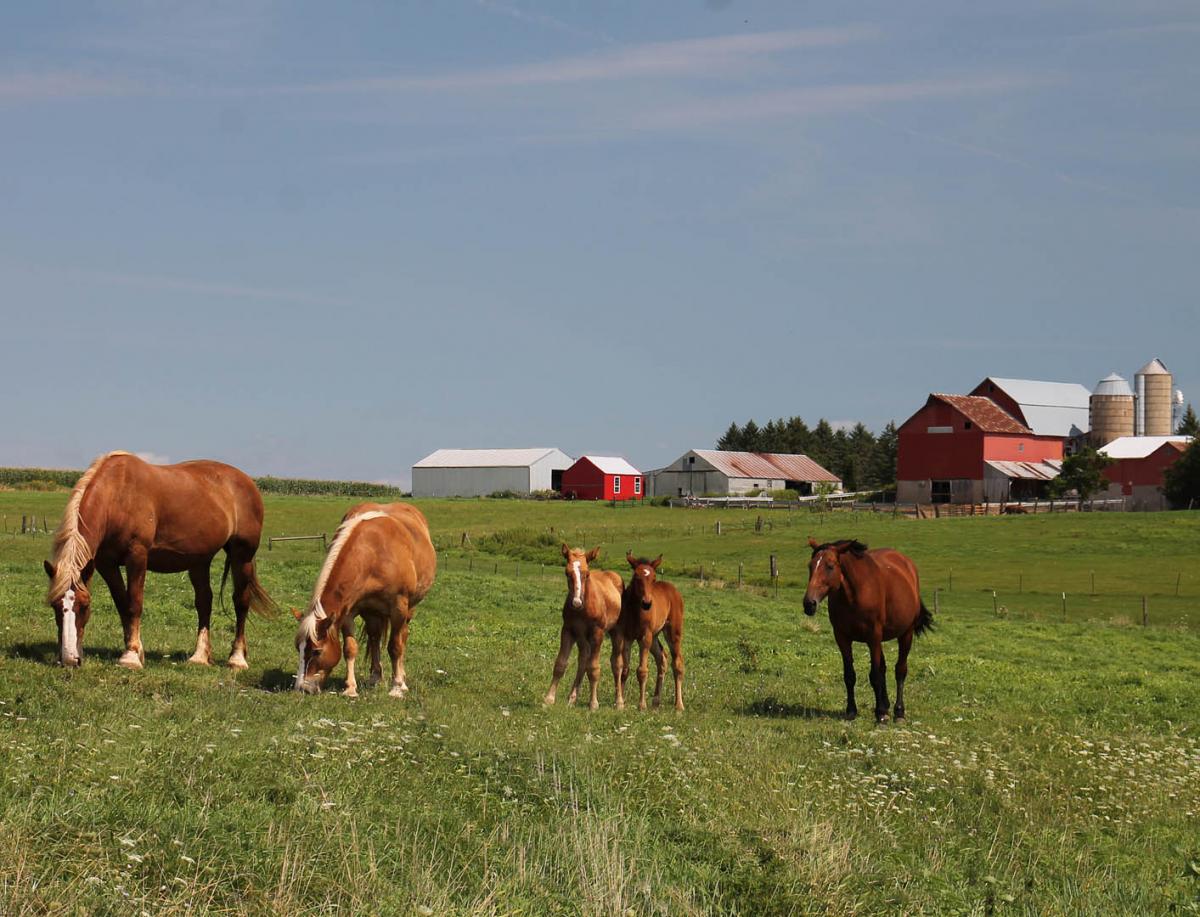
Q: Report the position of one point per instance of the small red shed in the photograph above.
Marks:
(1139, 465)
(602, 477)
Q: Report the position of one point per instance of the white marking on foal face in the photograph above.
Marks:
(577, 599)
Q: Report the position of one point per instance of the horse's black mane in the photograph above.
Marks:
(857, 548)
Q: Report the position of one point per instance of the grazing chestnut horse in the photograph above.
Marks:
(379, 567)
(590, 610)
(124, 512)
(648, 606)
(873, 596)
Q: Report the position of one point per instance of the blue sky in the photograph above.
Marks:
(325, 239)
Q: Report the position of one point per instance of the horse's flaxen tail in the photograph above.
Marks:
(924, 621)
(260, 602)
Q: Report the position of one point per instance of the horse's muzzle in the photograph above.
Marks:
(810, 607)
(646, 605)
(308, 686)
(70, 661)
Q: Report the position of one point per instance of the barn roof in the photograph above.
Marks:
(766, 465)
(1049, 408)
(988, 416)
(610, 464)
(486, 458)
(1139, 447)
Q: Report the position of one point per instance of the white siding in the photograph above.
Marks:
(468, 482)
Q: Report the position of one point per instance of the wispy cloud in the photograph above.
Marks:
(775, 104)
(63, 84)
(688, 57)
(541, 20)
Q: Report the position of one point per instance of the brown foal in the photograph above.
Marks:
(648, 606)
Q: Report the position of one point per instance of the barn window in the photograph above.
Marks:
(616, 483)
(1020, 447)
(637, 486)
(939, 491)
(966, 424)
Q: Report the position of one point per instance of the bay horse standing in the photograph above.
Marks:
(380, 566)
(649, 606)
(873, 596)
(125, 512)
(590, 610)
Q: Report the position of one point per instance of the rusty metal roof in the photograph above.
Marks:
(1029, 471)
(988, 416)
(766, 465)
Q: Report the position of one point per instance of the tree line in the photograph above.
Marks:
(861, 459)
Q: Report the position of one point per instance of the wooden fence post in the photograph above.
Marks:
(1064, 601)
(937, 605)
(1145, 612)
(740, 574)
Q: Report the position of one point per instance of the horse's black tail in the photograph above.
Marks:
(924, 621)
(260, 602)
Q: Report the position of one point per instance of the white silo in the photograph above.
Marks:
(1152, 385)
(1177, 413)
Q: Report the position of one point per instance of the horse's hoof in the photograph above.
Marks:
(851, 714)
(238, 661)
(548, 700)
(642, 705)
(657, 703)
(881, 719)
(620, 705)
(398, 691)
(594, 705)
(349, 692)
(679, 708)
(198, 659)
(130, 660)
(375, 679)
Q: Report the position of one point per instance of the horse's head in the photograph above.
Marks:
(577, 572)
(825, 570)
(72, 604)
(645, 575)
(317, 648)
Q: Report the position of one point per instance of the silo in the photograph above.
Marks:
(1153, 385)
(1111, 411)
(1177, 411)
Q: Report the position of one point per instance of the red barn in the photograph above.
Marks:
(967, 449)
(602, 477)
(1139, 466)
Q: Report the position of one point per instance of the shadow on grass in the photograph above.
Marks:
(277, 680)
(773, 707)
(47, 652)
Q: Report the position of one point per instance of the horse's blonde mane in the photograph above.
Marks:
(71, 551)
(340, 537)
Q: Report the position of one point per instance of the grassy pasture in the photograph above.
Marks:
(1048, 766)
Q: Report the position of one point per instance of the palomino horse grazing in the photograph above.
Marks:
(590, 610)
(873, 596)
(126, 513)
(648, 606)
(379, 567)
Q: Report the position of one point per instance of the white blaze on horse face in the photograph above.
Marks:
(70, 637)
(577, 599)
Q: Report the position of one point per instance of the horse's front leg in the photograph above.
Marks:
(644, 643)
(656, 651)
(350, 643)
(561, 661)
(202, 587)
(847, 648)
(595, 642)
(620, 667)
(135, 568)
(879, 680)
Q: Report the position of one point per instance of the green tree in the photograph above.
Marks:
(1188, 424)
(1181, 482)
(1083, 473)
(732, 440)
(751, 437)
(883, 459)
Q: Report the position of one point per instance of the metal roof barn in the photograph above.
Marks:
(479, 472)
(1047, 408)
(713, 471)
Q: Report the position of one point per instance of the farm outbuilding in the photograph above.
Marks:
(1138, 468)
(602, 477)
(1046, 408)
(479, 472)
(713, 471)
(968, 449)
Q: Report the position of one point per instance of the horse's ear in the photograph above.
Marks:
(296, 613)
(565, 550)
(812, 543)
(593, 553)
(632, 560)
(49, 568)
(656, 562)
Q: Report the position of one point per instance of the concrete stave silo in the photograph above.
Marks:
(1153, 384)
(1111, 411)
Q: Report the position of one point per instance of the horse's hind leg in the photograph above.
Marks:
(242, 570)
(350, 642)
(561, 661)
(375, 627)
(905, 644)
(396, 647)
(676, 639)
(847, 648)
(202, 586)
(135, 568)
(595, 643)
(879, 682)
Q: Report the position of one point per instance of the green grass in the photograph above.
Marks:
(1047, 766)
